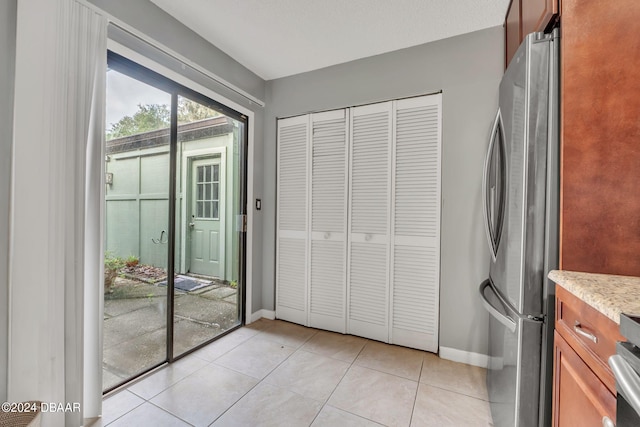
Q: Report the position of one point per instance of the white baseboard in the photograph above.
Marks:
(267, 314)
(468, 357)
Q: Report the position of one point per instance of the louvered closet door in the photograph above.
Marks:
(369, 198)
(415, 251)
(327, 281)
(292, 231)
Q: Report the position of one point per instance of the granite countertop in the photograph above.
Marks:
(609, 294)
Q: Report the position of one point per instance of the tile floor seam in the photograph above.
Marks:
(337, 384)
(385, 372)
(172, 384)
(331, 394)
(169, 412)
(456, 392)
(222, 354)
(415, 399)
(359, 415)
(137, 406)
(184, 378)
(333, 356)
(260, 381)
(268, 373)
(215, 419)
(232, 348)
(233, 404)
(388, 373)
(300, 346)
(345, 411)
(340, 382)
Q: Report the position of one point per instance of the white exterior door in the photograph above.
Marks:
(328, 242)
(207, 207)
(292, 231)
(369, 203)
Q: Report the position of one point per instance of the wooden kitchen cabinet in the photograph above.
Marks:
(583, 385)
(525, 17)
(581, 399)
(512, 31)
(538, 15)
(600, 137)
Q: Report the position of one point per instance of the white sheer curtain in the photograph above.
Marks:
(54, 270)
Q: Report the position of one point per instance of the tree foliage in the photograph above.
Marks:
(189, 111)
(148, 117)
(151, 117)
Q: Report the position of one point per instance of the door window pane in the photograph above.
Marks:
(215, 208)
(207, 190)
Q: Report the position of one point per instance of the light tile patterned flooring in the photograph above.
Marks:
(275, 373)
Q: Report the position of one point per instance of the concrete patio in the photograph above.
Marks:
(135, 319)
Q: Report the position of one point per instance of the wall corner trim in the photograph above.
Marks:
(267, 314)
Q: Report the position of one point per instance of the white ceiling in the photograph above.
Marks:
(278, 38)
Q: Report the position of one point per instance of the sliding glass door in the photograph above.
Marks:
(174, 221)
(208, 207)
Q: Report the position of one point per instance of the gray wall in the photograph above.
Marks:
(7, 66)
(467, 69)
(149, 19)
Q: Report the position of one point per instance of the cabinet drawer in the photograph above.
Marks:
(591, 334)
(580, 398)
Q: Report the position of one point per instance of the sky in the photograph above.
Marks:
(124, 94)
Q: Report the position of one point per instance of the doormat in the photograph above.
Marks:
(185, 283)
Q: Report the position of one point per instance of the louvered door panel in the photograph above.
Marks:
(291, 277)
(291, 250)
(368, 289)
(415, 259)
(369, 198)
(327, 291)
(329, 144)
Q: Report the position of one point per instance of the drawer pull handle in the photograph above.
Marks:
(578, 329)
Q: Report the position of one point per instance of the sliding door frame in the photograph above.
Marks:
(246, 240)
(158, 78)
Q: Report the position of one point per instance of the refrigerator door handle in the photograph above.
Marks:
(627, 380)
(504, 319)
(493, 235)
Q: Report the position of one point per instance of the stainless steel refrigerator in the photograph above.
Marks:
(520, 194)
